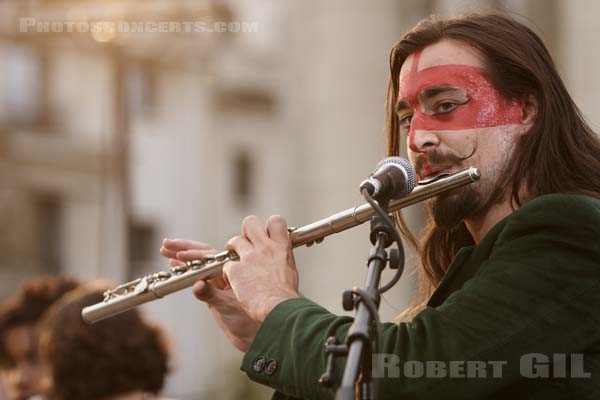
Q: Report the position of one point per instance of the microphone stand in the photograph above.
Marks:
(363, 338)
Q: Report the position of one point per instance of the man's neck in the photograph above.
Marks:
(479, 226)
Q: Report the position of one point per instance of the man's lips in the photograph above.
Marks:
(428, 171)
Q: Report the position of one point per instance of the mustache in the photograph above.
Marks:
(438, 157)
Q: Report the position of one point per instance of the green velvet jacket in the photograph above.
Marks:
(528, 293)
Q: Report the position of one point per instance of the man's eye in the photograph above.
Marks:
(445, 107)
(405, 122)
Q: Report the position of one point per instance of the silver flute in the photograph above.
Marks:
(160, 284)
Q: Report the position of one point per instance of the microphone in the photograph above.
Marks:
(394, 177)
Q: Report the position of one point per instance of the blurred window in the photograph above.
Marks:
(245, 100)
(141, 89)
(141, 248)
(48, 213)
(242, 179)
(21, 92)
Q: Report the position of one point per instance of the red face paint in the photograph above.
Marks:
(486, 107)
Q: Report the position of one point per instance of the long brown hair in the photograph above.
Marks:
(560, 153)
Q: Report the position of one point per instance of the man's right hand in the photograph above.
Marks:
(216, 293)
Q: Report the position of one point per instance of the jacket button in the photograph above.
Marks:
(259, 364)
(271, 367)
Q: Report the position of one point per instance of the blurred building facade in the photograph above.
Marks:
(111, 141)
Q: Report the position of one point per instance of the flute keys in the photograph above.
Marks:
(233, 256)
(180, 269)
(108, 295)
(221, 257)
(142, 286)
(162, 275)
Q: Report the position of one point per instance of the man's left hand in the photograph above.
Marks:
(266, 273)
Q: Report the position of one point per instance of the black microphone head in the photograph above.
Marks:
(406, 167)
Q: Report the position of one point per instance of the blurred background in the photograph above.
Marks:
(174, 118)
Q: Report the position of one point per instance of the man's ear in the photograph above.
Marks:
(529, 110)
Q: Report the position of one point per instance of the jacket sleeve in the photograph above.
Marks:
(538, 292)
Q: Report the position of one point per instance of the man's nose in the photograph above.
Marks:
(421, 141)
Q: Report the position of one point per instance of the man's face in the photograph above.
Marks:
(453, 118)
(23, 378)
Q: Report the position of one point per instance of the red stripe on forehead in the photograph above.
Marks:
(486, 106)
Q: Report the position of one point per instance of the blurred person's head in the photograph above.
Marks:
(19, 318)
(120, 357)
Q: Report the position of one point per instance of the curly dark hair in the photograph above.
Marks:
(34, 297)
(114, 356)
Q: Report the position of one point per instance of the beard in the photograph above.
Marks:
(450, 209)
(472, 201)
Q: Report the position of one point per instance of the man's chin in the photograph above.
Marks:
(450, 209)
